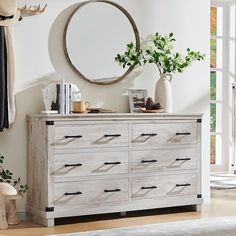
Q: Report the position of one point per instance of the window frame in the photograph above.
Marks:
(224, 165)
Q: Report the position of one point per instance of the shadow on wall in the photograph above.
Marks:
(28, 101)
(13, 142)
(110, 96)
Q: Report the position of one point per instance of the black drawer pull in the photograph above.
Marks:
(71, 194)
(112, 190)
(183, 159)
(73, 165)
(183, 185)
(187, 133)
(112, 163)
(150, 135)
(112, 135)
(148, 161)
(151, 187)
(73, 136)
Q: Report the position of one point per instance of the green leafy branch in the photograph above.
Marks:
(159, 51)
(6, 176)
(131, 57)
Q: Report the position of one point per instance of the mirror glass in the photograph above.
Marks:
(95, 33)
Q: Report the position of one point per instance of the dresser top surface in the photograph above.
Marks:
(97, 116)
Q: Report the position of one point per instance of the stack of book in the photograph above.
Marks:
(64, 98)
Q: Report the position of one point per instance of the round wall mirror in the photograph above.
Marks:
(94, 34)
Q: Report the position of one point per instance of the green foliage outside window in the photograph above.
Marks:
(213, 149)
(213, 88)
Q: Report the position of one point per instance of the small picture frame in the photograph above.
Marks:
(137, 99)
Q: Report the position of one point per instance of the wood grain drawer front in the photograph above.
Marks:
(172, 133)
(89, 136)
(91, 192)
(164, 160)
(84, 164)
(164, 186)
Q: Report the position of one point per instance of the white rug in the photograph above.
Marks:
(219, 182)
(220, 226)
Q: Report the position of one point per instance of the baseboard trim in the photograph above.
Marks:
(207, 198)
(23, 215)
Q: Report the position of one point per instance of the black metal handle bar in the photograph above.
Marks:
(183, 159)
(75, 193)
(151, 135)
(151, 187)
(112, 163)
(73, 165)
(73, 136)
(187, 133)
(112, 135)
(148, 161)
(183, 185)
(112, 190)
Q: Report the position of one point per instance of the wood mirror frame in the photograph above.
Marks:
(135, 30)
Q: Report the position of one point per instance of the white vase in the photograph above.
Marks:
(163, 92)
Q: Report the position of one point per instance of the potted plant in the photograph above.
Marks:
(6, 176)
(159, 50)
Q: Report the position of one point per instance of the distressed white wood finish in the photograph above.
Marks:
(92, 136)
(164, 186)
(164, 134)
(49, 151)
(90, 164)
(91, 192)
(164, 160)
(37, 164)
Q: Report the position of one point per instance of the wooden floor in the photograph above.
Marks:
(219, 206)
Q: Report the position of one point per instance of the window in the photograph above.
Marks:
(222, 64)
(216, 77)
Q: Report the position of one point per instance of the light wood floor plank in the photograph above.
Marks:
(219, 206)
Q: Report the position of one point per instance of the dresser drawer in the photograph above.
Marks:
(163, 160)
(85, 164)
(91, 192)
(164, 186)
(167, 133)
(91, 136)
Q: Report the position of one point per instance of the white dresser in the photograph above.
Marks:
(103, 163)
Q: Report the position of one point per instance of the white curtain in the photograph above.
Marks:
(10, 73)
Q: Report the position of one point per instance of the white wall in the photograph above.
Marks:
(188, 19)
